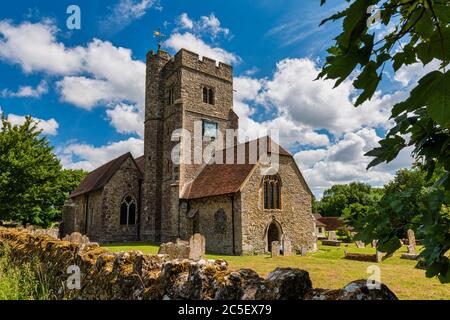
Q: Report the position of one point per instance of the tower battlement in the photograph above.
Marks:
(187, 59)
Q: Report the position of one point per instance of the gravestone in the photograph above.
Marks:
(197, 245)
(360, 244)
(332, 235)
(379, 256)
(76, 237)
(303, 251)
(374, 243)
(411, 242)
(287, 248)
(275, 249)
(175, 250)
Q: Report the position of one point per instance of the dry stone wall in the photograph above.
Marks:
(135, 276)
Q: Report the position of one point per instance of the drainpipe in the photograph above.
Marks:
(86, 214)
(139, 211)
(233, 225)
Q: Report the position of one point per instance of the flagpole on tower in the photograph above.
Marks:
(159, 36)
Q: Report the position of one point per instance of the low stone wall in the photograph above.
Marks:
(132, 275)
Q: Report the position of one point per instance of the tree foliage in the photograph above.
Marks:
(339, 197)
(417, 31)
(33, 186)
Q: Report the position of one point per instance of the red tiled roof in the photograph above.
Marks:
(222, 179)
(98, 178)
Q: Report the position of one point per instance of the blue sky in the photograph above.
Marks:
(86, 86)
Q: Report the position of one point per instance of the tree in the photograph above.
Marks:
(339, 197)
(33, 186)
(420, 33)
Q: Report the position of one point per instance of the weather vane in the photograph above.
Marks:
(158, 35)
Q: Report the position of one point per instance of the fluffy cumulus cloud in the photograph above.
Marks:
(190, 34)
(125, 12)
(45, 53)
(26, 91)
(96, 74)
(302, 109)
(194, 43)
(89, 157)
(410, 74)
(48, 127)
(127, 119)
(206, 25)
(306, 101)
(344, 162)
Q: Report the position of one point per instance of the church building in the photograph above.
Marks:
(238, 209)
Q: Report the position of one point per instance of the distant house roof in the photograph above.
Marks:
(222, 179)
(98, 178)
(332, 223)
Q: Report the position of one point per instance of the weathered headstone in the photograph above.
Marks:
(303, 251)
(332, 235)
(360, 244)
(374, 243)
(411, 242)
(275, 249)
(287, 248)
(197, 245)
(174, 250)
(379, 256)
(77, 237)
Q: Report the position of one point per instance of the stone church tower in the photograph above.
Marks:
(237, 206)
(181, 92)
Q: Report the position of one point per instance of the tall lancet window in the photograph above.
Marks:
(128, 211)
(272, 192)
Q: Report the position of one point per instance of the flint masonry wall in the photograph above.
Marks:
(132, 275)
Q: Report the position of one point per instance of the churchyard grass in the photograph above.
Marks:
(328, 269)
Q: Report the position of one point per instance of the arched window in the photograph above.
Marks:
(205, 95)
(208, 95)
(211, 96)
(128, 211)
(272, 192)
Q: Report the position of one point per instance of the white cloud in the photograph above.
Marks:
(97, 73)
(49, 127)
(344, 162)
(88, 157)
(193, 43)
(185, 22)
(410, 74)
(127, 119)
(34, 48)
(125, 12)
(206, 25)
(114, 77)
(27, 91)
(294, 91)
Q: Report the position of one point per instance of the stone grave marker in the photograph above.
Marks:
(411, 242)
(360, 244)
(275, 249)
(197, 245)
(287, 248)
(332, 235)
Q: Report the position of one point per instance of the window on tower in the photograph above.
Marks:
(170, 97)
(208, 95)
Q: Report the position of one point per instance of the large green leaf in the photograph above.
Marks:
(439, 101)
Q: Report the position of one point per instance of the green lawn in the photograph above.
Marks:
(328, 269)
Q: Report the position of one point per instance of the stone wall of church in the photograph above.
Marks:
(215, 223)
(125, 182)
(295, 216)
